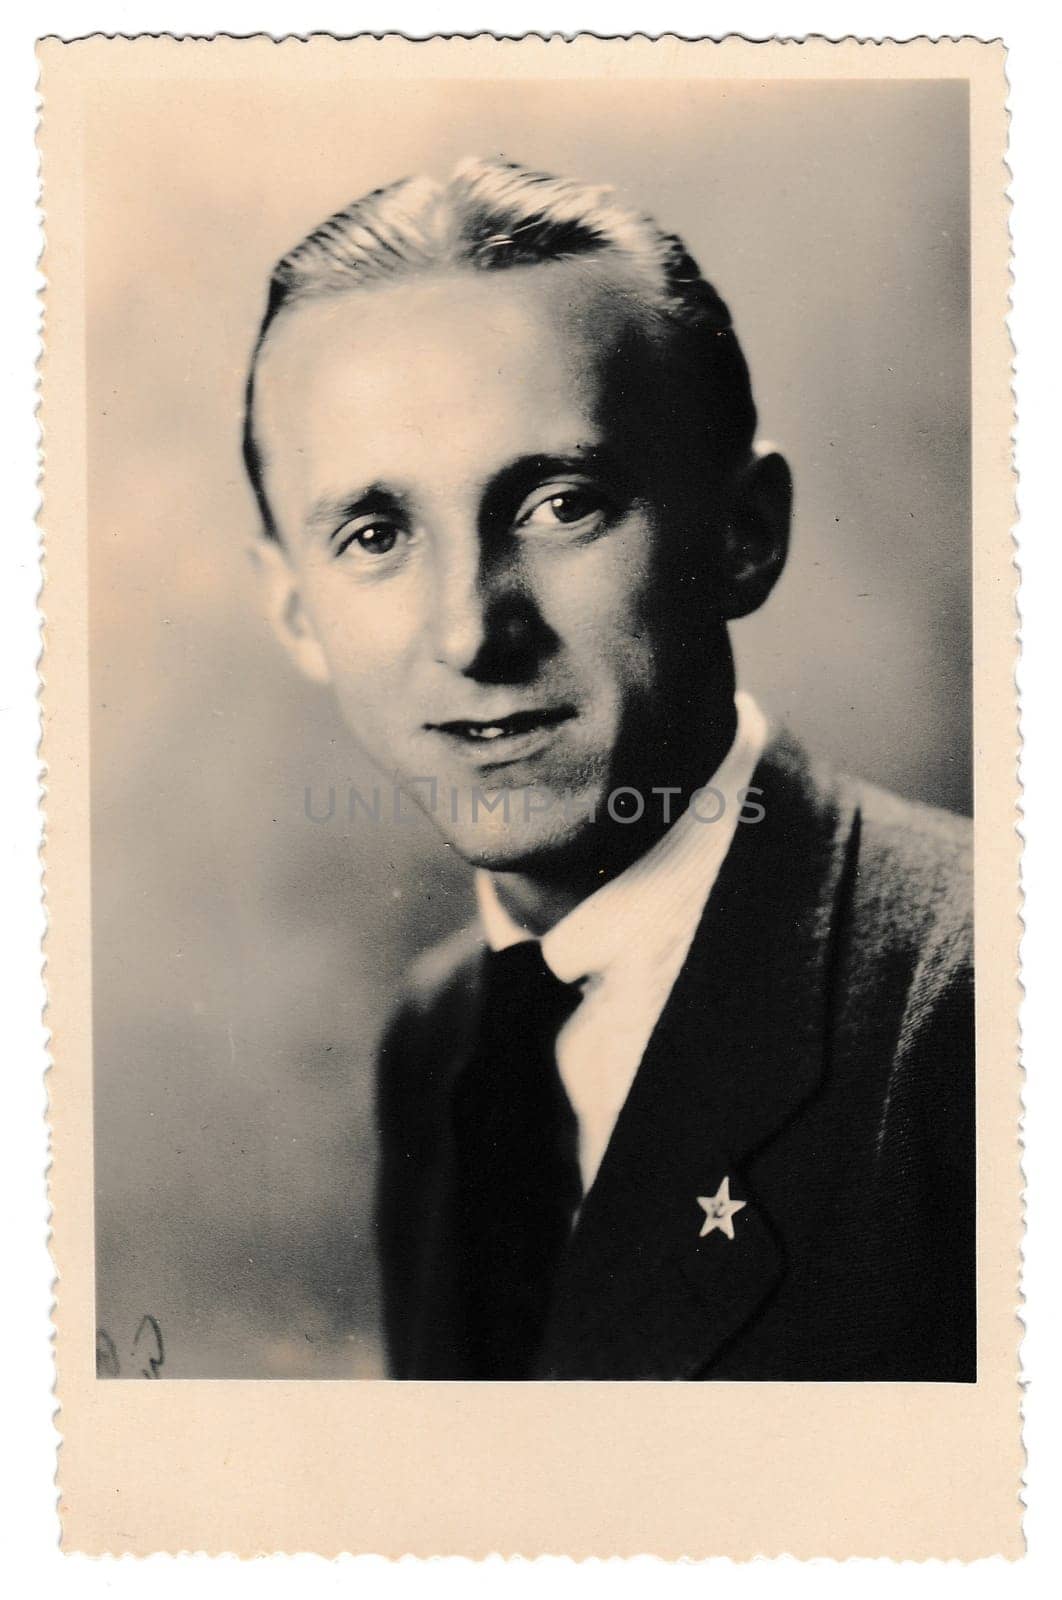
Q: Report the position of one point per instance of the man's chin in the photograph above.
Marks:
(519, 845)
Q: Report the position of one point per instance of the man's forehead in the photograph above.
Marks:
(446, 378)
(577, 313)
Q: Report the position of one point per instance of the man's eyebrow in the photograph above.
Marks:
(519, 476)
(331, 511)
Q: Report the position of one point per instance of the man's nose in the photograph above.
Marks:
(485, 622)
(459, 605)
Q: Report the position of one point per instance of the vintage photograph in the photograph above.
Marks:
(533, 747)
(532, 968)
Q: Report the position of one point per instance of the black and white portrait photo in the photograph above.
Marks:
(530, 790)
(530, 626)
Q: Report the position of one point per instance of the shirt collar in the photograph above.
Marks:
(660, 895)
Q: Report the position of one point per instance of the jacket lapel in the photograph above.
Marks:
(438, 1338)
(738, 1050)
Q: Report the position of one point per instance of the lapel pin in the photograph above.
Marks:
(719, 1210)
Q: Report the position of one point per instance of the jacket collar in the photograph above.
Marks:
(737, 1051)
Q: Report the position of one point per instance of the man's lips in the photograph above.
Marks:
(501, 729)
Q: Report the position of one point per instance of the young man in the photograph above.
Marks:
(696, 1098)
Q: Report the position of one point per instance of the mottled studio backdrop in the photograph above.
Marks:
(243, 956)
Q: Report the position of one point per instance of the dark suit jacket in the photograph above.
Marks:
(818, 1050)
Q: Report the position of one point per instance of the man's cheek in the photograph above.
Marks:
(630, 615)
(631, 646)
(370, 664)
(377, 734)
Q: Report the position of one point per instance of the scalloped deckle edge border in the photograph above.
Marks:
(449, 1469)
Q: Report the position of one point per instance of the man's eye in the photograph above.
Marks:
(563, 509)
(375, 538)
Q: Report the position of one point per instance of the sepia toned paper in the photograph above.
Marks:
(212, 1041)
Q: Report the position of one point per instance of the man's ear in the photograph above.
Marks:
(283, 604)
(755, 535)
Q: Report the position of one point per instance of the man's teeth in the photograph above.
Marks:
(519, 722)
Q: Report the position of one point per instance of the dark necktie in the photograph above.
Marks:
(518, 1166)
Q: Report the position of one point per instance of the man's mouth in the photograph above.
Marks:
(503, 728)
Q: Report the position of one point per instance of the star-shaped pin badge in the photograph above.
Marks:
(719, 1210)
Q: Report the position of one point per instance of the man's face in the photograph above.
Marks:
(483, 490)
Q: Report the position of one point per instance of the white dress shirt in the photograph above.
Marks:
(626, 943)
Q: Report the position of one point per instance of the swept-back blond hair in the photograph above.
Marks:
(490, 215)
